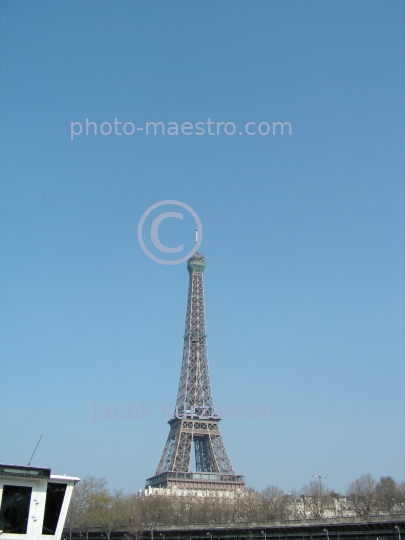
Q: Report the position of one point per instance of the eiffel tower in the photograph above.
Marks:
(194, 418)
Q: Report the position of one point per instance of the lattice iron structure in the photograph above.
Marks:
(194, 419)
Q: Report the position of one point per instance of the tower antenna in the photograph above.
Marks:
(29, 463)
(196, 235)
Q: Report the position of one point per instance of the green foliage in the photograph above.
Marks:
(93, 505)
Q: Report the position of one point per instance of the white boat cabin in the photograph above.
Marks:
(33, 503)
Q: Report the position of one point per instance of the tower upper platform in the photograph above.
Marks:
(196, 263)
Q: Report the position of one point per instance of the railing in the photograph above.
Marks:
(396, 518)
(288, 523)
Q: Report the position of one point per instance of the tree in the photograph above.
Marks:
(236, 507)
(387, 494)
(134, 525)
(190, 509)
(251, 505)
(274, 503)
(78, 515)
(315, 497)
(362, 493)
(401, 493)
(153, 508)
(107, 511)
(293, 506)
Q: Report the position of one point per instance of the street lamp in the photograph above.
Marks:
(265, 536)
(163, 534)
(327, 533)
(320, 476)
(399, 532)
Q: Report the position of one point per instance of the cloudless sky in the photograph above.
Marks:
(303, 233)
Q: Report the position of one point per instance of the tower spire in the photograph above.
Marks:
(194, 419)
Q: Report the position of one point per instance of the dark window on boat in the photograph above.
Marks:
(15, 506)
(55, 493)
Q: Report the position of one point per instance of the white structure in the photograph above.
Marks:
(181, 492)
(334, 507)
(33, 503)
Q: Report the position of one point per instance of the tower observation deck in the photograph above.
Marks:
(194, 419)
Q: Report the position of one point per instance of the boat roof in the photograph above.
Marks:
(25, 471)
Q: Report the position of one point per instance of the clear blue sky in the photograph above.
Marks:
(303, 234)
